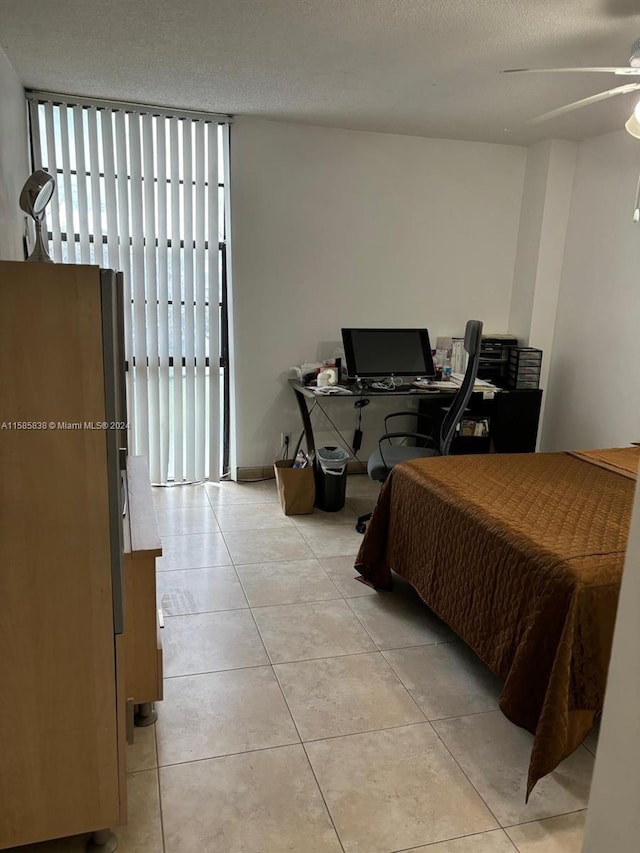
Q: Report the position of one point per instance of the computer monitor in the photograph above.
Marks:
(383, 352)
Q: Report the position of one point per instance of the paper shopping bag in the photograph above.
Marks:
(296, 487)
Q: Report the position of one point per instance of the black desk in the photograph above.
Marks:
(513, 415)
(513, 422)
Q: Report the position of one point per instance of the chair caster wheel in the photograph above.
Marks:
(361, 526)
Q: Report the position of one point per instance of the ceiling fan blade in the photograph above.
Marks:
(583, 102)
(623, 71)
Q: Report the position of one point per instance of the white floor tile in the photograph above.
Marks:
(183, 520)
(286, 582)
(494, 753)
(446, 679)
(332, 540)
(172, 497)
(209, 642)
(257, 516)
(344, 695)
(199, 550)
(266, 801)
(265, 546)
(235, 493)
(343, 574)
(398, 619)
(562, 834)
(220, 713)
(319, 520)
(395, 789)
(304, 631)
(487, 842)
(141, 754)
(199, 591)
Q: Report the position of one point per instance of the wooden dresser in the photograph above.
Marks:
(78, 620)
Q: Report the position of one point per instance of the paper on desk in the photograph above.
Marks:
(331, 390)
(488, 389)
(479, 383)
(448, 386)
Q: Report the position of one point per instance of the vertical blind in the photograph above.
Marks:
(142, 193)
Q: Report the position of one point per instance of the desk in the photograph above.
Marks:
(514, 415)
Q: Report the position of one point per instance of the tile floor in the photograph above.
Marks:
(304, 712)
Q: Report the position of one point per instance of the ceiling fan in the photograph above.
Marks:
(633, 70)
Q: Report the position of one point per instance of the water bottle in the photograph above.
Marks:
(446, 370)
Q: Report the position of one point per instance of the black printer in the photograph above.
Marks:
(494, 358)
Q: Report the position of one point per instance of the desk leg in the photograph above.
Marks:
(306, 422)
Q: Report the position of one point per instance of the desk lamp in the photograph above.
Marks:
(35, 196)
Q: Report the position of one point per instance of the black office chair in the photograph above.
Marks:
(382, 460)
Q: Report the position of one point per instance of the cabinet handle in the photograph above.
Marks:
(129, 712)
(124, 495)
(160, 617)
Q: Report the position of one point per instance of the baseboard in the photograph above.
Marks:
(261, 472)
(265, 472)
(355, 467)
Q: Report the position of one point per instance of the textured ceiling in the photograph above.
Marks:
(423, 67)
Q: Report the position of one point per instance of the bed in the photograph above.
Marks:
(522, 556)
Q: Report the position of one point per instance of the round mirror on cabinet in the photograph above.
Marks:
(34, 198)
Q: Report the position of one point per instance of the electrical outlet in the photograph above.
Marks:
(285, 439)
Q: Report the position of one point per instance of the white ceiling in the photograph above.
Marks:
(423, 67)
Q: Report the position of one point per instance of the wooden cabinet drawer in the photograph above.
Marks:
(142, 545)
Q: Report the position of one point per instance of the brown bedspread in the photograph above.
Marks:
(622, 460)
(522, 556)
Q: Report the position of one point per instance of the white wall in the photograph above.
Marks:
(546, 202)
(613, 819)
(560, 177)
(337, 228)
(529, 234)
(593, 397)
(13, 160)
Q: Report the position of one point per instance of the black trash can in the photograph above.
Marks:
(331, 478)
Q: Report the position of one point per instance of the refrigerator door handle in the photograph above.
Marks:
(111, 367)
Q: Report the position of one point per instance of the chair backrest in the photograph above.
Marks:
(472, 338)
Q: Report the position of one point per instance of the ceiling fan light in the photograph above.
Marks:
(632, 126)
